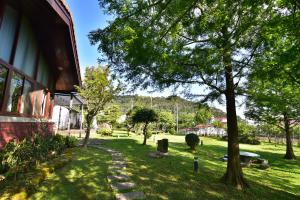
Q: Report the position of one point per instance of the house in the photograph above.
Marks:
(209, 130)
(38, 58)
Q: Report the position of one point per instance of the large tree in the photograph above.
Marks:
(274, 100)
(165, 43)
(274, 82)
(98, 89)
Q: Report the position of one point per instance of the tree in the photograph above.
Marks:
(97, 91)
(187, 120)
(185, 42)
(203, 115)
(130, 124)
(146, 116)
(110, 115)
(274, 101)
(166, 122)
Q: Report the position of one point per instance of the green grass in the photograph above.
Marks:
(83, 178)
(173, 178)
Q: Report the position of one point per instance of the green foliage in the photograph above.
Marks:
(71, 141)
(192, 140)
(186, 120)
(98, 89)
(245, 128)
(110, 115)
(203, 115)
(247, 139)
(19, 156)
(145, 115)
(166, 122)
(104, 132)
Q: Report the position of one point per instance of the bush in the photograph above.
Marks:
(17, 157)
(246, 139)
(104, 131)
(192, 140)
(57, 143)
(172, 131)
(71, 141)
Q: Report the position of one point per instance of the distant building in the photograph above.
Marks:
(209, 129)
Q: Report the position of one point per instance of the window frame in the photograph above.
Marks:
(11, 69)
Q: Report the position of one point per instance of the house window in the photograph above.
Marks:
(7, 33)
(27, 98)
(3, 77)
(15, 93)
(43, 71)
(26, 53)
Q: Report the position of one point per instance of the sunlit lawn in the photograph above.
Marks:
(83, 178)
(173, 178)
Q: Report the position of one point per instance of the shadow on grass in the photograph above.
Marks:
(83, 178)
(172, 177)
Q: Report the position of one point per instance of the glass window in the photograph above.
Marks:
(8, 32)
(43, 71)
(27, 98)
(15, 93)
(3, 76)
(26, 53)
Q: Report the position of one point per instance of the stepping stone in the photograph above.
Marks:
(116, 154)
(118, 162)
(123, 186)
(117, 171)
(115, 167)
(118, 159)
(112, 151)
(130, 196)
(120, 177)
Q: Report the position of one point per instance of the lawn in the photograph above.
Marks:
(173, 178)
(83, 178)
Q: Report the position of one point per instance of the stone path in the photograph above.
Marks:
(119, 181)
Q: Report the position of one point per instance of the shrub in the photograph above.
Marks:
(57, 143)
(17, 157)
(71, 141)
(246, 139)
(192, 140)
(20, 157)
(104, 131)
(172, 131)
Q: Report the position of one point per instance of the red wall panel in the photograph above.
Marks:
(20, 130)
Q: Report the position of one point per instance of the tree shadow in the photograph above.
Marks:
(172, 177)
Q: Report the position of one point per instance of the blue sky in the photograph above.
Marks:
(88, 16)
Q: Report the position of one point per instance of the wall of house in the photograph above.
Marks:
(63, 120)
(20, 130)
(25, 79)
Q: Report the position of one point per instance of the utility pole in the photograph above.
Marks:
(177, 118)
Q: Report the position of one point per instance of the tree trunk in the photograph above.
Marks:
(88, 130)
(145, 133)
(234, 173)
(289, 146)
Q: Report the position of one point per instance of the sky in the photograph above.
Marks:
(88, 16)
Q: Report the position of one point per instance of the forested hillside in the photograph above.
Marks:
(162, 104)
